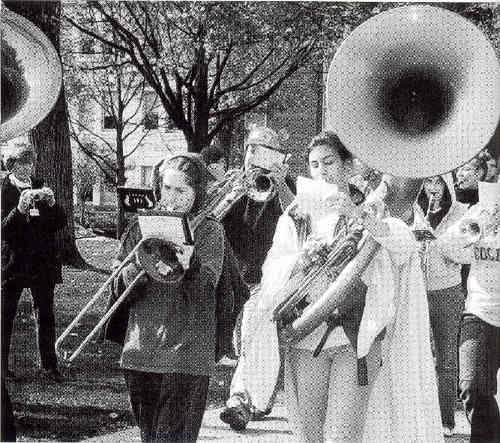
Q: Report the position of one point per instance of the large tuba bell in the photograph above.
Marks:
(413, 92)
(31, 75)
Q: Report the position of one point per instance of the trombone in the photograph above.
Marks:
(157, 259)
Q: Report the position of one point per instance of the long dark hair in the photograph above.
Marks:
(196, 176)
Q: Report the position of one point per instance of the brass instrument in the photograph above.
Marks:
(157, 259)
(237, 183)
(31, 75)
(416, 93)
(316, 279)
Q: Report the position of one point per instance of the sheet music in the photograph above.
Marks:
(313, 194)
(163, 226)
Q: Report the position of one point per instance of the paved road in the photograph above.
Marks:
(274, 429)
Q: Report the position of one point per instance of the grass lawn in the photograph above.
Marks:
(92, 400)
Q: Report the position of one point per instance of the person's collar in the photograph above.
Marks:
(19, 183)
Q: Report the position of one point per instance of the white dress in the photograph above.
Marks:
(403, 405)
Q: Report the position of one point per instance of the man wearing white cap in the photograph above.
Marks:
(476, 240)
(250, 227)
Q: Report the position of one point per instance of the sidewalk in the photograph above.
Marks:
(274, 429)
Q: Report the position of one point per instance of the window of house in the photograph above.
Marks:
(108, 122)
(146, 172)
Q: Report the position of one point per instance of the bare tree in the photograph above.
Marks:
(104, 84)
(209, 63)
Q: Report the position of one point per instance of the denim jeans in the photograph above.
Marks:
(445, 309)
(479, 359)
(167, 407)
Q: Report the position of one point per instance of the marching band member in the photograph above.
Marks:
(170, 343)
(435, 210)
(475, 239)
(250, 224)
(250, 227)
(325, 400)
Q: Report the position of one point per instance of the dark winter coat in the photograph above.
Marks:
(29, 253)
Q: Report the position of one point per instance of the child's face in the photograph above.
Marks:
(176, 194)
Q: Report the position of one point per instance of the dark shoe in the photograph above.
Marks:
(52, 375)
(237, 417)
(257, 414)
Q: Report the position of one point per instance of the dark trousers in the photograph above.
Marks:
(445, 309)
(479, 361)
(43, 300)
(167, 407)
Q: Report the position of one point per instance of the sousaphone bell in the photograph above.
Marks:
(31, 75)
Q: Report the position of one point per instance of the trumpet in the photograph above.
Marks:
(237, 183)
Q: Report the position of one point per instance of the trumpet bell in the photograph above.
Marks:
(414, 91)
(31, 75)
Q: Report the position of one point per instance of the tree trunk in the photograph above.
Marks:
(50, 139)
(120, 181)
(224, 138)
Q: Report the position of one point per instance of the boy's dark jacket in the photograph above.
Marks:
(29, 252)
(231, 294)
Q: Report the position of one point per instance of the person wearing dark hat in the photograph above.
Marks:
(216, 162)
(250, 227)
(30, 219)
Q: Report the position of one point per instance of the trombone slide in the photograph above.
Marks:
(104, 319)
(89, 304)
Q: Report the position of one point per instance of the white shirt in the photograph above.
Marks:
(483, 285)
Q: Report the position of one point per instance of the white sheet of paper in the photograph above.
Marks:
(265, 158)
(162, 226)
(311, 195)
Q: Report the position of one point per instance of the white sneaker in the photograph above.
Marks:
(448, 432)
